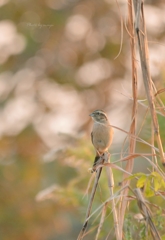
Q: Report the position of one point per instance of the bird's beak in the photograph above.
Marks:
(91, 115)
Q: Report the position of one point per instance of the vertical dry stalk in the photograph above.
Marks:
(111, 186)
(101, 220)
(132, 142)
(84, 227)
(144, 58)
(146, 213)
(154, 157)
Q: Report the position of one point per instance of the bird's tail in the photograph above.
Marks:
(95, 161)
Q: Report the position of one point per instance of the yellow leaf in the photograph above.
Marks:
(157, 184)
(148, 191)
(141, 181)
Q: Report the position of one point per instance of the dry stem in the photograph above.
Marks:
(144, 58)
(111, 186)
(146, 213)
(132, 142)
(98, 174)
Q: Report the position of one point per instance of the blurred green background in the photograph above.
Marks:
(59, 62)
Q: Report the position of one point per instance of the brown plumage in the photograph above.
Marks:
(102, 133)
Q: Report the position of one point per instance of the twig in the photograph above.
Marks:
(121, 23)
(136, 137)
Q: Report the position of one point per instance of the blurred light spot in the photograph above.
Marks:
(91, 98)
(5, 85)
(56, 4)
(47, 55)
(120, 1)
(3, 2)
(53, 123)
(23, 77)
(95, 41)
(93, 72)
(10, 41)
(65, 105)
(157, 59)
(59, 97)
(16, 115)
(36, 63)
(40, 35)
(30, 17)
(77, 27)
(67, 57)
(25, 87)
(86, 8)
(107, 26)
(156, 23)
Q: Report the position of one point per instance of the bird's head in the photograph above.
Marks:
(99, 116)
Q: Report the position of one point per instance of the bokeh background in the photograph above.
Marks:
(60, 60)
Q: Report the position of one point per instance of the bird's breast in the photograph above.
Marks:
(102, 136)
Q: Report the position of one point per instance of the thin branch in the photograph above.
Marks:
(121, 23)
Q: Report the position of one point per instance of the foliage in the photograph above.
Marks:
(151, 183)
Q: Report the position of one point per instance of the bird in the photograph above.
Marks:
(101, 135)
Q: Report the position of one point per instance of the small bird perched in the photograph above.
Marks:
(102, 134)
